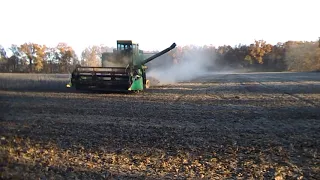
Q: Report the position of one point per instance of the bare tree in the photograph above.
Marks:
(91, 56)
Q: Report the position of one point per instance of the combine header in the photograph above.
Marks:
(124, 69)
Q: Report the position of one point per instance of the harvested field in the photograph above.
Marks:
(222, 126)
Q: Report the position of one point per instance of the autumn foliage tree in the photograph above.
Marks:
(91, 56)
(3, 58)
(258, 50)
(65, 56)
(35, 54)
(302, 56)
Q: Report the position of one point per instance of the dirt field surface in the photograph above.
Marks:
(220, 126)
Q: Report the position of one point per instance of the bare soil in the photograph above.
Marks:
(220, 126)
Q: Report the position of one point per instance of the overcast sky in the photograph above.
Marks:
(156, 24)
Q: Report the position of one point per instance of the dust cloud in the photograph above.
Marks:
(192, 65)
(112, 61)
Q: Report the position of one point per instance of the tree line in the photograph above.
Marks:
(37, 58)
(258, 56)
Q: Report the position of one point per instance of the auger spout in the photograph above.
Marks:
(159, 54)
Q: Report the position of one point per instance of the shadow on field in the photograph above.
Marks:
(241, 135)
(203, 89)
(242, 139)
(145, 108)
(268, 83)
(226, 142)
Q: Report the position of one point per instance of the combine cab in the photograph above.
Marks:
(124, 69)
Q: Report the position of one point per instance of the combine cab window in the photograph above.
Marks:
(120, 46)
(125, 46)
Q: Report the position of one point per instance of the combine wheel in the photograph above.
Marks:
(147, 84)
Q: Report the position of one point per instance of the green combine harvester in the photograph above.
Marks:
(124, 69)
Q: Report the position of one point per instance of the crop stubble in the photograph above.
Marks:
(263, 125)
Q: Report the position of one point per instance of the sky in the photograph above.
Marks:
(156, 24)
